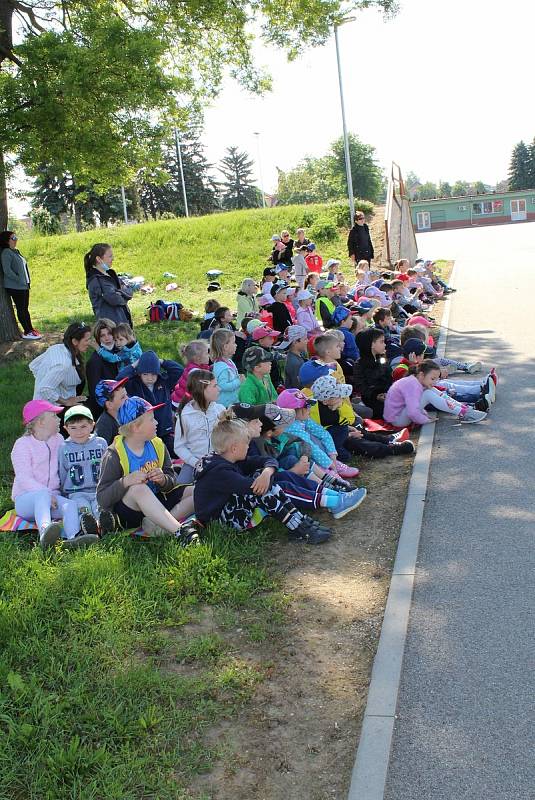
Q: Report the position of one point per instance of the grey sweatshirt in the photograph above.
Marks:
(79, 465)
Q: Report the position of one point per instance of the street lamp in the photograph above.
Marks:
(257, 134)
(179, 157)
(346, 140)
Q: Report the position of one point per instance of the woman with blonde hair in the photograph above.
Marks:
(247, 302)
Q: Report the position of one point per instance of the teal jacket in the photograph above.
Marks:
(15, 269)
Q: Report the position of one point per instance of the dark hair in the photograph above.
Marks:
(375, 334)
(220, 312)
(97, 251)
(427, 366)
(5, 236)
(381, 314)
(76, 331)
(211, 305)
(198, 380)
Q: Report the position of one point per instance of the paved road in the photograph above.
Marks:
(466, 704)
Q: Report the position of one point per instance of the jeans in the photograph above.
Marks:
(431, 397)
(465, 392)
(37, 506)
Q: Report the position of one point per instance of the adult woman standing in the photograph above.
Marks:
(59, 372)
(97, 369)
(285, 256)
(17, 282)
(108, 294)
(359, 243)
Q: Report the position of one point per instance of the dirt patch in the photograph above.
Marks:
(25, 350)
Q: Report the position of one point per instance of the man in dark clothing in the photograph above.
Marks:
(372, 376)
(359, 243)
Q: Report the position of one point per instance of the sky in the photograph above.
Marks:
(442, 89)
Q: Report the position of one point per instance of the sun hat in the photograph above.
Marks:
(311, 370)
(364, 305)
(133, 408)
(417, 319)
(292, 334)
(303, 294)
(214, 273)
(415, 346)
(294, 398)
(275, 237)
(252, 324)
(78, 411)
(254, 356)
(35, 408)
(332, 262)
(265, 300)
(105, 389)
(264, 330)
(327, 388)
(340, 314)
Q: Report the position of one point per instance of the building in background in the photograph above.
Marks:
(494, 208)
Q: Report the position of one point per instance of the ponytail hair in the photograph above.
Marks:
(228, 430)
(75, 332)
(427, 366)
(90, 258)
(198, 380)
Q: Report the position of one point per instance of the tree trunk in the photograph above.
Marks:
(9, 330)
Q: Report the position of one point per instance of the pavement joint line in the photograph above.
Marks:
(368, 779)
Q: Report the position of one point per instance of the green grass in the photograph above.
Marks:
(105, 689)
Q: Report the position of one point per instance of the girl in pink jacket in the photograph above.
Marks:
(407, 398)
(36, 486)
(195, 354)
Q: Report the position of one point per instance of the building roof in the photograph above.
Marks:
(465, 197)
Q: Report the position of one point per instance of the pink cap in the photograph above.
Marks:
(419, 320)
(294, 398)
(264, 330)
(33, 408)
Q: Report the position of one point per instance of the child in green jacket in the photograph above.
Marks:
(257, 387)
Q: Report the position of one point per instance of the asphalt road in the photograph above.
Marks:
(465, 726)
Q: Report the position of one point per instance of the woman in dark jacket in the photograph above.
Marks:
(17, 282)
(373, 376)
(108, 294)
(97, 369)
(359, 243)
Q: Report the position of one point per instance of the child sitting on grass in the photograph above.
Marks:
(79, 460)
(154, 380)
(295, 343)
(195, 354)
(407, 399)
(128, 348)
(210, 307)
(239, 492)
(305, 313)
(196, 417)
(36, 488)
(137, 481)
(110, 395)
(222, 318)
(222, 348)
(257, 387)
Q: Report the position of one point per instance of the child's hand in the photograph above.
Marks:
(156, 476)
(242, 377)
(135, 478)
(354, 433)
(53, 501)
(262, 482)
(444, 372)
(302, 467)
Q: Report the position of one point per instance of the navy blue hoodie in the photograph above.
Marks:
(216, 479)
(168, 374)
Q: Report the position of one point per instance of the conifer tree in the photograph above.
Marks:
(519, 168)
(239, 190)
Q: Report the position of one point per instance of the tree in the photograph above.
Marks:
(519, 168)
(238, 190)
(444, 189)
(460, 189)
(428, 191)
(478, 187)
(531, 165)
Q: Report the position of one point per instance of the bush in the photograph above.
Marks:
(340, 210)
(323, 229)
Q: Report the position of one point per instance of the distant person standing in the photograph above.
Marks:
(359, 243)
(17, 282)
(285, 256)
(108, 294)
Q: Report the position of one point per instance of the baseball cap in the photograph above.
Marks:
(279, 416)
(417, 319)
(311, 247)
(252, 324)
(282, 268)
(327, 387)
(264, 330)
(340, 314)
(415, 346)
(78, 411)
(294, 398)
(247, 411)
(364, 305)
(133, 408)
(268, 271)
(278, 287)
(265, 300)
(34, 408)
(275, 237)
(303, 294)
(105, 389)
(292, 334)
(325, 285)
(254, 356)
(332, 262)
(312, 370)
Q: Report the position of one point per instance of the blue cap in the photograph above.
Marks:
(415, 346)
(105, 389)
(365, 305)
(311, 247)
(312, 370)
(340, 313)
(134, 407)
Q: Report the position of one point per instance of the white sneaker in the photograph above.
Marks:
(471, 415)
(32, 335)
(81, 540)
(49, 534)
(475, 366)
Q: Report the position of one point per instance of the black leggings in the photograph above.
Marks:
(21, 299)
(371, 445)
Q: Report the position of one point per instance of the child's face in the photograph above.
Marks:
(227, 316)
(333, 352)
(48, 424)
(80, 430)
(429, 380)
(254, 426)
(281, 296)
(378, 347)
(266, 342)
(120, 340)
(262, 369)
(416, 359)
(300, 344)
(147, 426)
(302, 413)
(106, 337)
(333, 402)
(148, 379)
(230, 347)
(117, 399)
(211, 393)
(305, 303)
(347, 322)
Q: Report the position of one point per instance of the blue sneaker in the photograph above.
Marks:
(348, 502)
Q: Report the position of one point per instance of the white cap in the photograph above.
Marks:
(303, 294)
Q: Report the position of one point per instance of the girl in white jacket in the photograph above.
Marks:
(197, 414)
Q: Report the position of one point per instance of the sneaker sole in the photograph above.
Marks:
(473, 421)
(88, 525)
(107, 523)
(52, 535)
(83, 540)
(340, 514)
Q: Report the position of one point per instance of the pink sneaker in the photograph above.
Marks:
(346, 472)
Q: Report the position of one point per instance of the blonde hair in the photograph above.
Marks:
(227, 431)
(124, 329)
(194, 351)
(363, 265)
(129, 427)
(103, 324)
(219, 339)
(323, 342)
(29, 428)
(335, 334)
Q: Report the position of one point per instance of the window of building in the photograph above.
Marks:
(487, 207)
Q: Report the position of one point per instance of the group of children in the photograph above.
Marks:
(260, 420)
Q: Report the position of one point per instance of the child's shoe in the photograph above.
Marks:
(348, 502)
(489, 390)
(402, 448)
(399, 436)
(482, 404)
(310, 532)
(472, 415)
(188, 535)
(80, 540)
(331, 481)
(107, 522)
(49, 534)
(346, 472)
(474, 366)
(494, 376)
(88, 524)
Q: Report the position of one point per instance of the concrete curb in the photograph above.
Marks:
(371, 763)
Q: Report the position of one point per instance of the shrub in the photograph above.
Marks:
(340, 210)
(323, 229)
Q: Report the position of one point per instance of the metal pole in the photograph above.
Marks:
(257, 134)
(346, 140)
(125, 212)
(179, 156)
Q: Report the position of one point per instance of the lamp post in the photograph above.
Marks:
(344, 126)
(179, 157)
(125, 212)
(257, 134)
